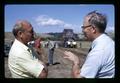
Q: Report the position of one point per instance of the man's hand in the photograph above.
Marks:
(76, 63)
(69, 55)
(37, 43)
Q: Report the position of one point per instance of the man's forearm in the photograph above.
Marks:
(76, 70)
(44, 73)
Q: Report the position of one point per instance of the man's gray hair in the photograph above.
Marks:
(18, 27)
(98, 20)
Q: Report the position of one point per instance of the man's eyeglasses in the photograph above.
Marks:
(83, 27)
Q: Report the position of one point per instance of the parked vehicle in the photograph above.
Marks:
(70, 43)
(6, 49)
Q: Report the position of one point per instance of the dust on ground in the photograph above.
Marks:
(62, 68)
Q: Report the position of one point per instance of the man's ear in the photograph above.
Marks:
(94, 29)
(20, 34)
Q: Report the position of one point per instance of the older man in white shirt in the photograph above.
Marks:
(100, 61)
(22, 61)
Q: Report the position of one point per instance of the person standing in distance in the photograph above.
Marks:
(51, 48)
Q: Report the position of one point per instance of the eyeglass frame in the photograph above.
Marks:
(84, 27)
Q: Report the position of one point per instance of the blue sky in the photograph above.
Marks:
(55, 17)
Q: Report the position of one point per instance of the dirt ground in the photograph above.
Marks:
(62, 68)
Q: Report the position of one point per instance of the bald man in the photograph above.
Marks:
(22, 60)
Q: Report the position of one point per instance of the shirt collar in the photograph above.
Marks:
(22, 45)
(97, 39)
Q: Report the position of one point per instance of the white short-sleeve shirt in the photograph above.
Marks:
(100, 62)
(22, 61)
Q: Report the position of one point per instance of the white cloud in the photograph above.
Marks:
(45, 20)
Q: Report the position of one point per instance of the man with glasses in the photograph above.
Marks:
(100, 61)
(22, 62)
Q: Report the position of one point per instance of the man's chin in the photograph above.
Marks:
(88, 39)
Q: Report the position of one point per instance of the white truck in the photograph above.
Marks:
(71, 43)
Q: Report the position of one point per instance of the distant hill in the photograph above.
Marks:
(44, 35)
(8, 37)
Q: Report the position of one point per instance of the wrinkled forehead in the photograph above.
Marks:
(26, 25)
